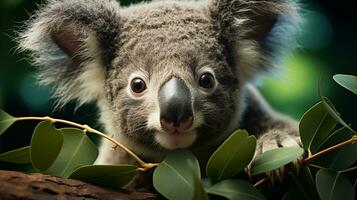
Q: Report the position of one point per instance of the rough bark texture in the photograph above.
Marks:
(17, 185)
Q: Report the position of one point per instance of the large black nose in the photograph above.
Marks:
(175, 104)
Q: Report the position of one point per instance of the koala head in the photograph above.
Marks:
(165, 74)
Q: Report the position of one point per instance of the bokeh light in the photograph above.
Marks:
(294, 86)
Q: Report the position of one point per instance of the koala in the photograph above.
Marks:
(166, 75)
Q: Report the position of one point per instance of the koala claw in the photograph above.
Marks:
(275, 139)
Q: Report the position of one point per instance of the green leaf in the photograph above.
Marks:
(232, 156)
(199, 191)
(235, 190)
(347, 81)
(315, 125)
(333, 112)
(332, 185)
(294, 194)
(344, 157)
(77, 150)
(17, 156)
(115, 176)
(173, 178)
(340, 135)
(331, 109)
(6, 121)
(341, 158)
(304, 184)
(275, 158)
(45, 145)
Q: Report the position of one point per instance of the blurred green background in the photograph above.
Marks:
(328, 46)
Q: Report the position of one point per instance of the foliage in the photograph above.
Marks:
(275, 158)
(315, 126)
(347, 81)
(235, 189)
(6, 121)
(106, 175)
(333, 185)
(227, 161)
(70, 153)
(181, 166)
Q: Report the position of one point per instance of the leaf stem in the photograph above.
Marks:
(347, 142)
(259, 183)
(316, 166)
(348, 170)
(144, 166)
(313, 156)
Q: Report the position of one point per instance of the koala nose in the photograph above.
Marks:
(175, 105)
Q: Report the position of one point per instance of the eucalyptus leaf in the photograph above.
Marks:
(46, 143)
(333, 112)
(331, 108)
(275, 158)
(332, 185)
(304, 184)
(114, 176)
(294, 194)
(340, 135)
(341, 158)
(174, 179)
(77, 150)
(232, 156)
(199, 191)
(315, 125)
(347, 81)
(17, 156)
(6, 121)
(235, 190)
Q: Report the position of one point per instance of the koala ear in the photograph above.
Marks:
(255, 32)
(72, 42)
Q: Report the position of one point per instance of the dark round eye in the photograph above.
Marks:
(137, 85)
(206, 81)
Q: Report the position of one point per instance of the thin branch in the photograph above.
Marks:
(145, 166)
(347, 142)
(259, 183)
(313, 156)
(317, 166)
(348, 170)
(309, 154)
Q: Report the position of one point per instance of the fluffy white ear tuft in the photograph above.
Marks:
(256, 32)
(73, 42)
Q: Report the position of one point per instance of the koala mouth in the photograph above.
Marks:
(177, 132)
(175, 139)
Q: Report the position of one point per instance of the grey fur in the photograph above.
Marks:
(83, 17)
(235, 40)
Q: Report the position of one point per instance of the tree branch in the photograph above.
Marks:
(342, 144)
(17, 185)
(144, 166)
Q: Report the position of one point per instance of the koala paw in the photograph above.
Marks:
(274, 139)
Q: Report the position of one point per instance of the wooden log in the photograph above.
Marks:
(17, 185)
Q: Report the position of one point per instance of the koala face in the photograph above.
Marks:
(171, 87)
(178, 89)
(165, 74)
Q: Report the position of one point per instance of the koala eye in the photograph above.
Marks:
(137, 85)
(207, 81)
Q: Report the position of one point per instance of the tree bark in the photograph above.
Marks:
(18, 185)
